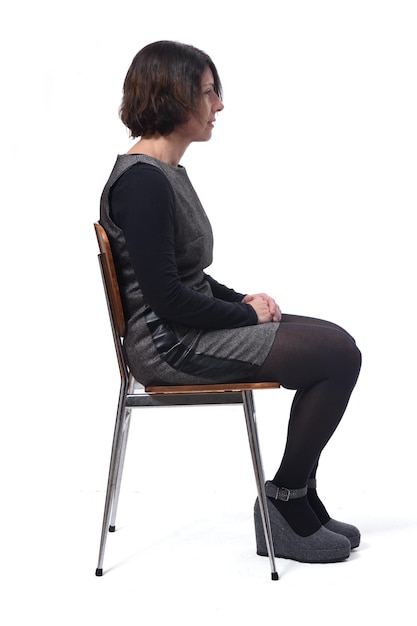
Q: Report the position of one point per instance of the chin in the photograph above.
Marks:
(203, 139)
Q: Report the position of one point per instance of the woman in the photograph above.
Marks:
(183, 327)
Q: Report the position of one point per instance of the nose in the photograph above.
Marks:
(218, 106)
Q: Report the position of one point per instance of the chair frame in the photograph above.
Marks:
(133, 395)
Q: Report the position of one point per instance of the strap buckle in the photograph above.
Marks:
(283, 494)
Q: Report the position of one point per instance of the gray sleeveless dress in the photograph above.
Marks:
(157, 350)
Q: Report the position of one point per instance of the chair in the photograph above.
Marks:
(133, 395)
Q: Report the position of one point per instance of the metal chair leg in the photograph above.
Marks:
(114, 472)
(118, 480)
(249, 408)
(120, 465)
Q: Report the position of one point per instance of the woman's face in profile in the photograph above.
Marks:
(199, 127)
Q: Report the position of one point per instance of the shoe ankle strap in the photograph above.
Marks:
(284, 494)
(312, 483)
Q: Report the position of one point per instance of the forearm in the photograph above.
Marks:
(180, 304)
(222, 292)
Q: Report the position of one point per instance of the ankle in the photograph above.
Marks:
(299, 515)
(316, 504)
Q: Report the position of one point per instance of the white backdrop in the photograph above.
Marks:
(309, 182)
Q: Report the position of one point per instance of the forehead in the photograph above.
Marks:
(207, 77)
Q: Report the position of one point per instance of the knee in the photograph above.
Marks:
(357, 359)
(352, 359)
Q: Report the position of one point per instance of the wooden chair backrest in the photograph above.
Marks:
(110, 280)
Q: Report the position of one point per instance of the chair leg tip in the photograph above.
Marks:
(99, 571)
(112, 529)
(274, 576)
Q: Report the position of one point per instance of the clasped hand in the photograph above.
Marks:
(265, 307)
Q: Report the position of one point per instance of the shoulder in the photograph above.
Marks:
(142, 178)
(144, 172)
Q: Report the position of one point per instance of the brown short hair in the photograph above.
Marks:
(163, 87)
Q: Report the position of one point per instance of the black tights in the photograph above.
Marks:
(321, 362)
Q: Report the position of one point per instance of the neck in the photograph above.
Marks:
(169, 149)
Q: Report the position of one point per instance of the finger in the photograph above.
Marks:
(270, 302)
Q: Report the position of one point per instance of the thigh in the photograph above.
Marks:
(305, 352)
